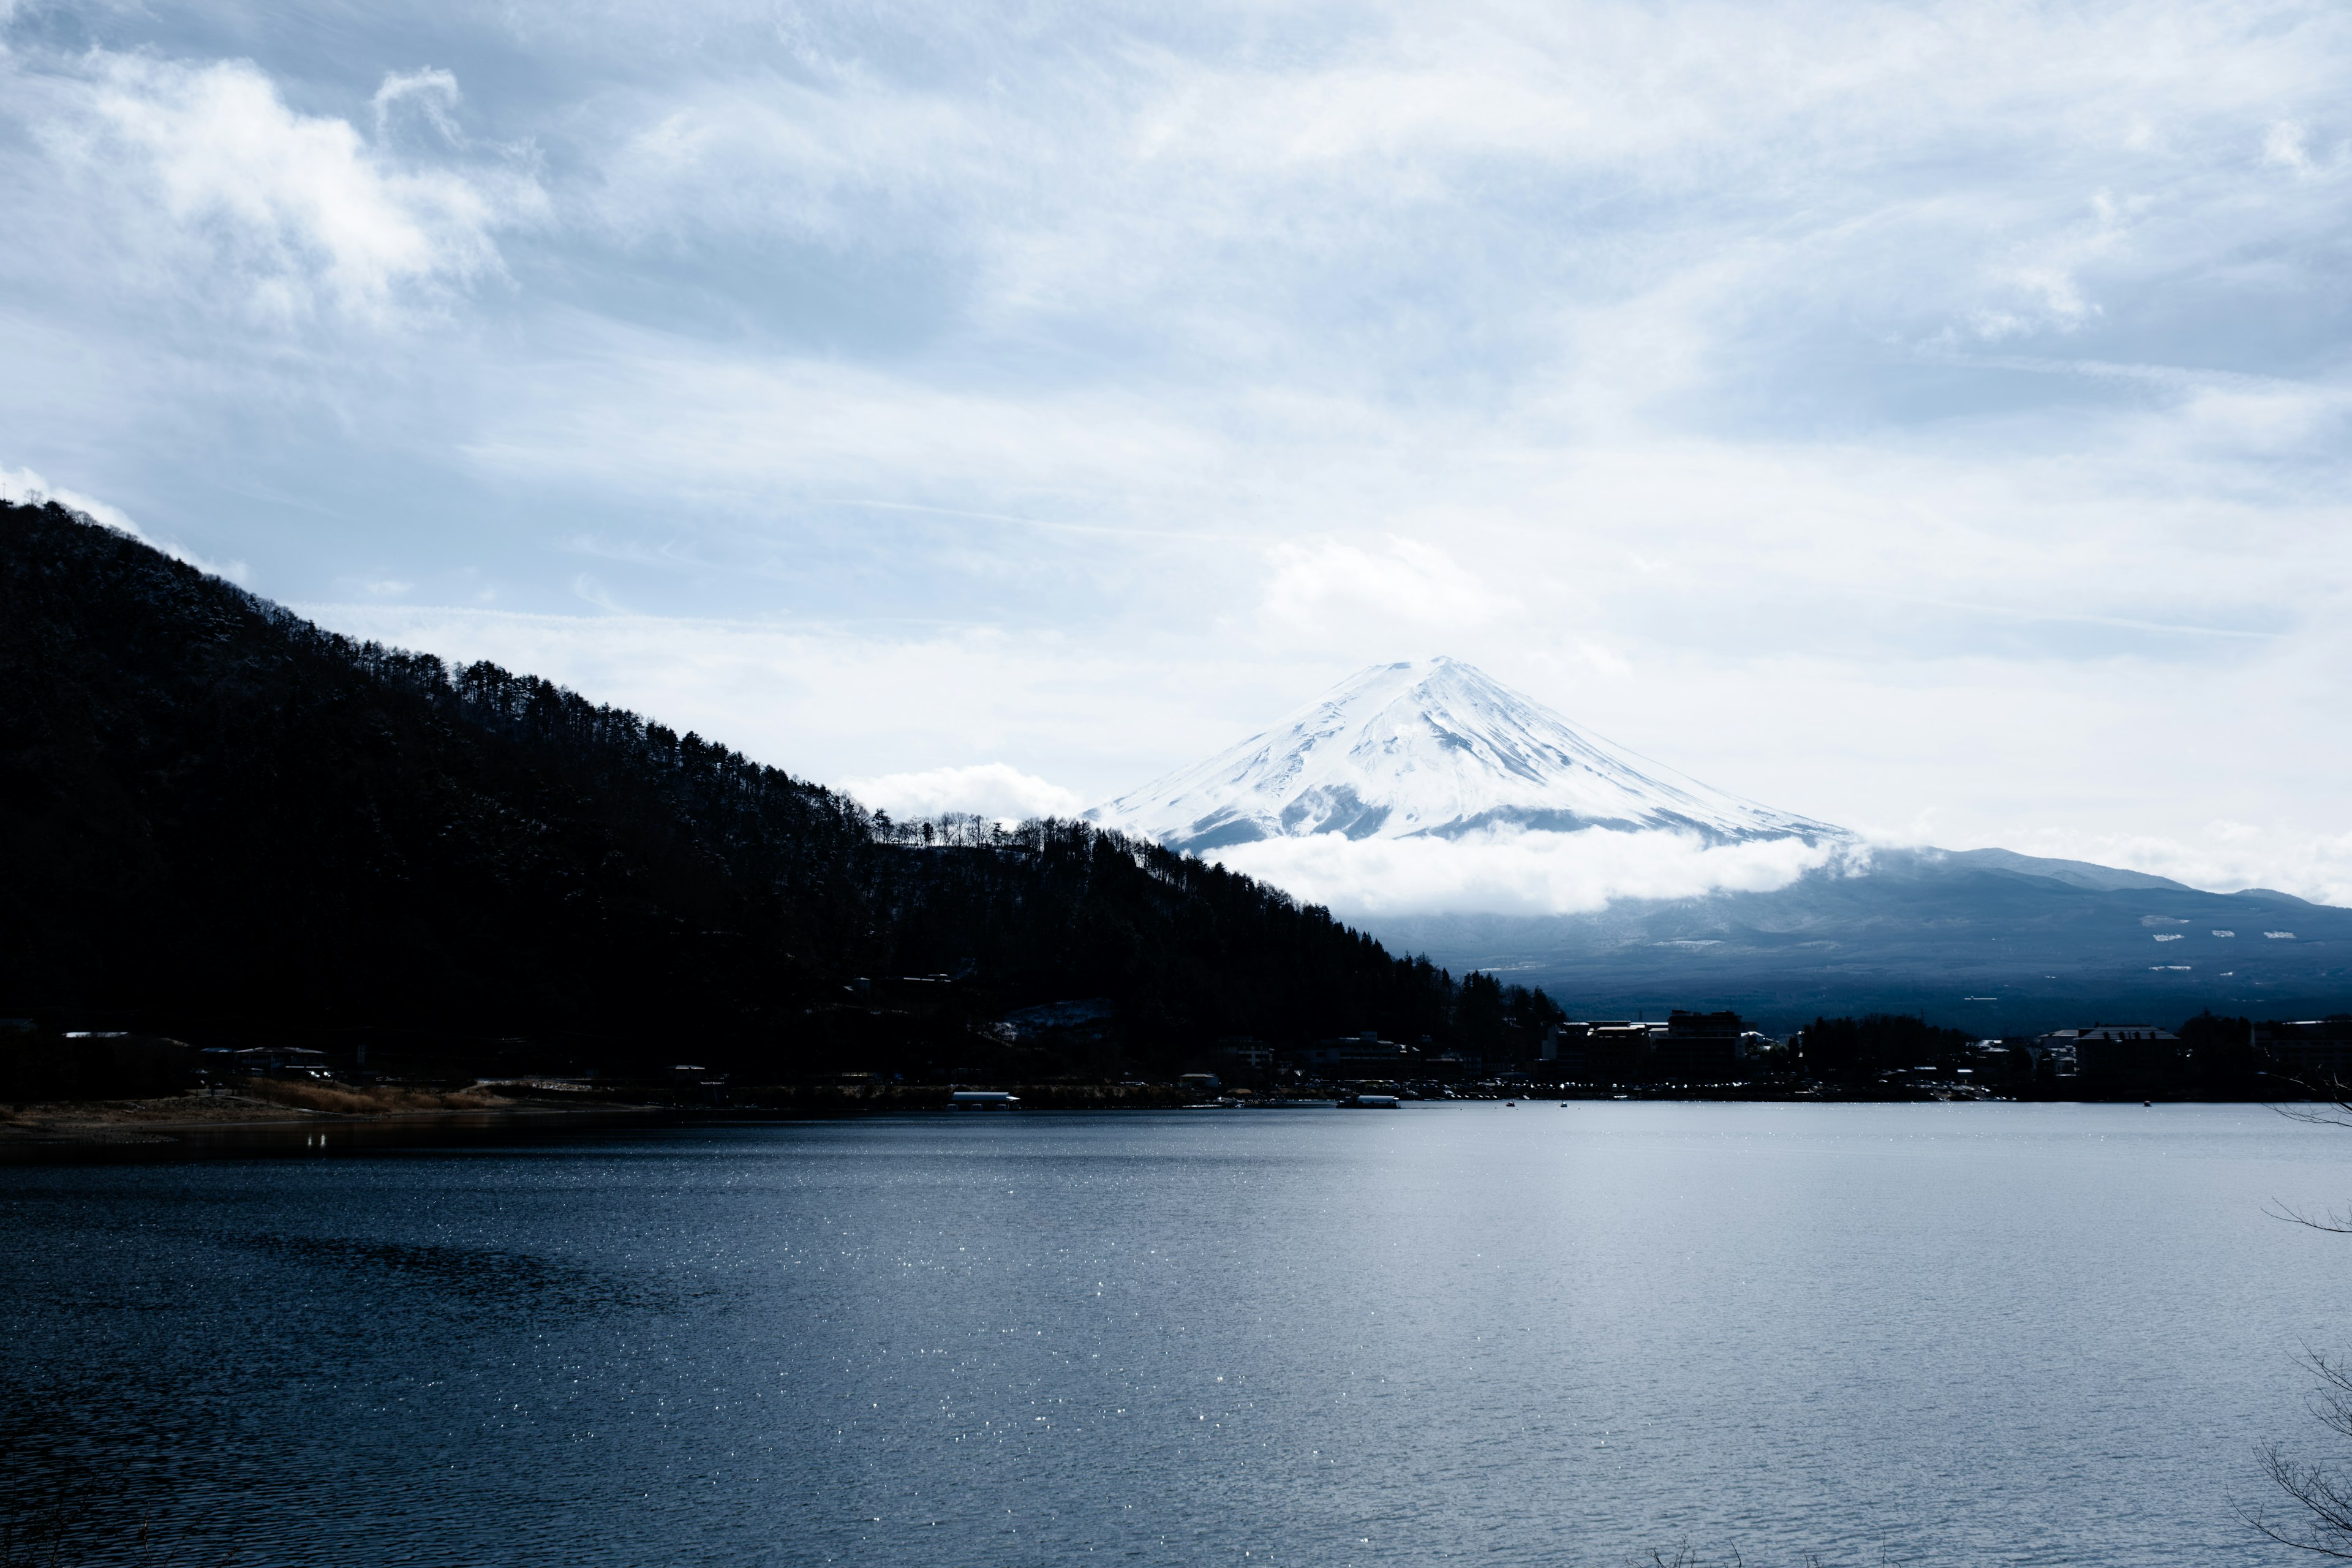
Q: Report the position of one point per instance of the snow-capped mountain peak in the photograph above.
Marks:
(1431, 747)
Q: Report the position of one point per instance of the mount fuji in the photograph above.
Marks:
(1405, 763)
(1433, 748)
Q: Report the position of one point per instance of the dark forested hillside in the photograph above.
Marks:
(219, 819)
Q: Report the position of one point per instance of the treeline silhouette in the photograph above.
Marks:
(219, 819)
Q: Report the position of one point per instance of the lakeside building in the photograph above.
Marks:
(2123, 1056)
(1248, 1052)
(280, 1061)
(1615, 1051)
(1563, 1049)
(1689, 1048)
(1452, 1067)
(2015, 1061)
(1695, 1047)
(1356, 1056)
(2316, 1051)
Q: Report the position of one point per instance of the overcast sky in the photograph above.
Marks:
(1930, 418)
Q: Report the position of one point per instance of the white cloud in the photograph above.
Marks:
(1319, 586)
(2284, 146)
(201, 172)
(430, 92)
(989, 789)
(1515, 872)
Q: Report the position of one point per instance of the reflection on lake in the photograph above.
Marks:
(1967, 1333)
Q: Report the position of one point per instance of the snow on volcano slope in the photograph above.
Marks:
(1431, 748)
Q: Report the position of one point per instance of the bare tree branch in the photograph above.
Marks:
(2330, 1104)
(2333, 1225)
(2325, 1525)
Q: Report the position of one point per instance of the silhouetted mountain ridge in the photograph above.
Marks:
(218, 816)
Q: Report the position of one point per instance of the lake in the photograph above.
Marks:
(1980, 1334)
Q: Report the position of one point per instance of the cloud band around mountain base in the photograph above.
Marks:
(1513, 871)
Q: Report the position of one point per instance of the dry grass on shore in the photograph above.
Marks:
(371, 1099)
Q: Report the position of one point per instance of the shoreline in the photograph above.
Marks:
(195, 1129)
(191, 1127)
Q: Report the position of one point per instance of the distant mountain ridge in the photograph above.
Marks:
(2078, 873)
(1985, 939)
(1432, 747)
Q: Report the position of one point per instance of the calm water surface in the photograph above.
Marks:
(1951, 1334)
